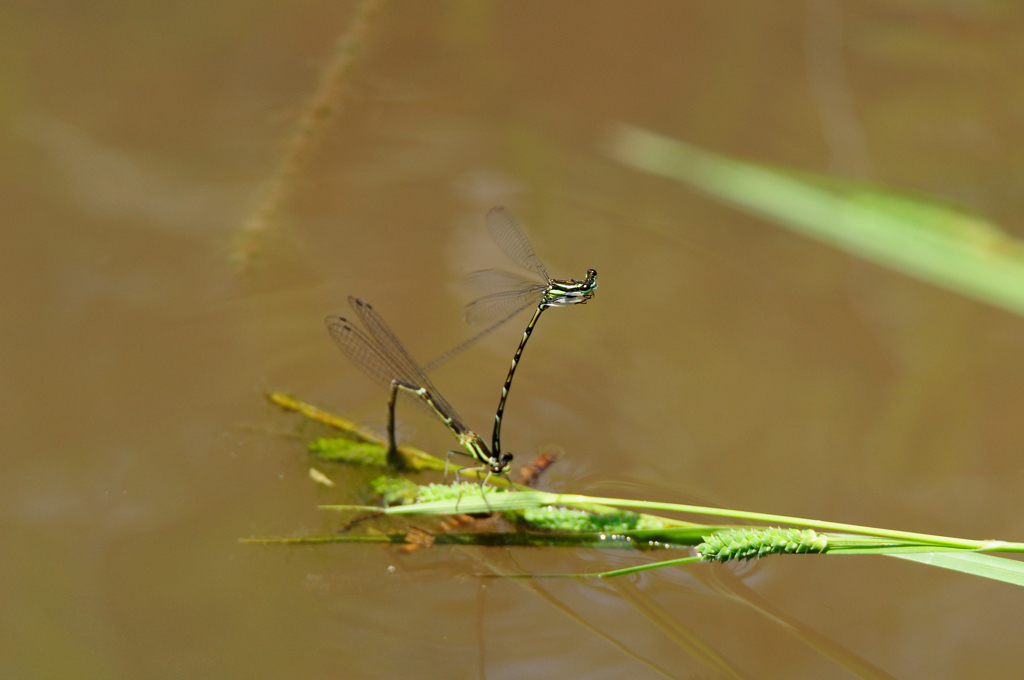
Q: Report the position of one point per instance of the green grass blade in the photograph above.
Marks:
(523, 500)
(977, 564)
(927, 240)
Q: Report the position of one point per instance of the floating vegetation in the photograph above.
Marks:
(343, 450)
(572, 520)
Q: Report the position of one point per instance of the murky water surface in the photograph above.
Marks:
(722, 359)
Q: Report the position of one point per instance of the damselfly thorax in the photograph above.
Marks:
(561, 293)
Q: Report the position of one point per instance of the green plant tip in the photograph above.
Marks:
(750, 544)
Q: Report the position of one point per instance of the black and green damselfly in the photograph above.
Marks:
(513, 294)
(382, 357)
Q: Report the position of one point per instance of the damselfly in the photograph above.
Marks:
(382, 357)
(513, 294)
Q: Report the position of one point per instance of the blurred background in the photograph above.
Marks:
(723, 359)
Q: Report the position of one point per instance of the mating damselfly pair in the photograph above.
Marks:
(380, 354)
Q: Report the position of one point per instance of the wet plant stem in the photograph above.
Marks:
(533, 499)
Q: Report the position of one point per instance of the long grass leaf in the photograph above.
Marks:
(936, 243)
(977, 564)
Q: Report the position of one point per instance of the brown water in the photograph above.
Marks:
(722, 357)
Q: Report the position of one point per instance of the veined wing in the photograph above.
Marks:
(503, 305)
(363, 352)
(398, 358)
(360, 350)
(512, 240)
(487, 281)
(522, 301)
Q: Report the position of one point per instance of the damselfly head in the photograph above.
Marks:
(501, 464)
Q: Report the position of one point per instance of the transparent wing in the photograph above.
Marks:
(388, 344)
(390, 348)
(362, 351)
(502, 305)
(444, 358)
(507, 295)
(487, 281)
(510, 237)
